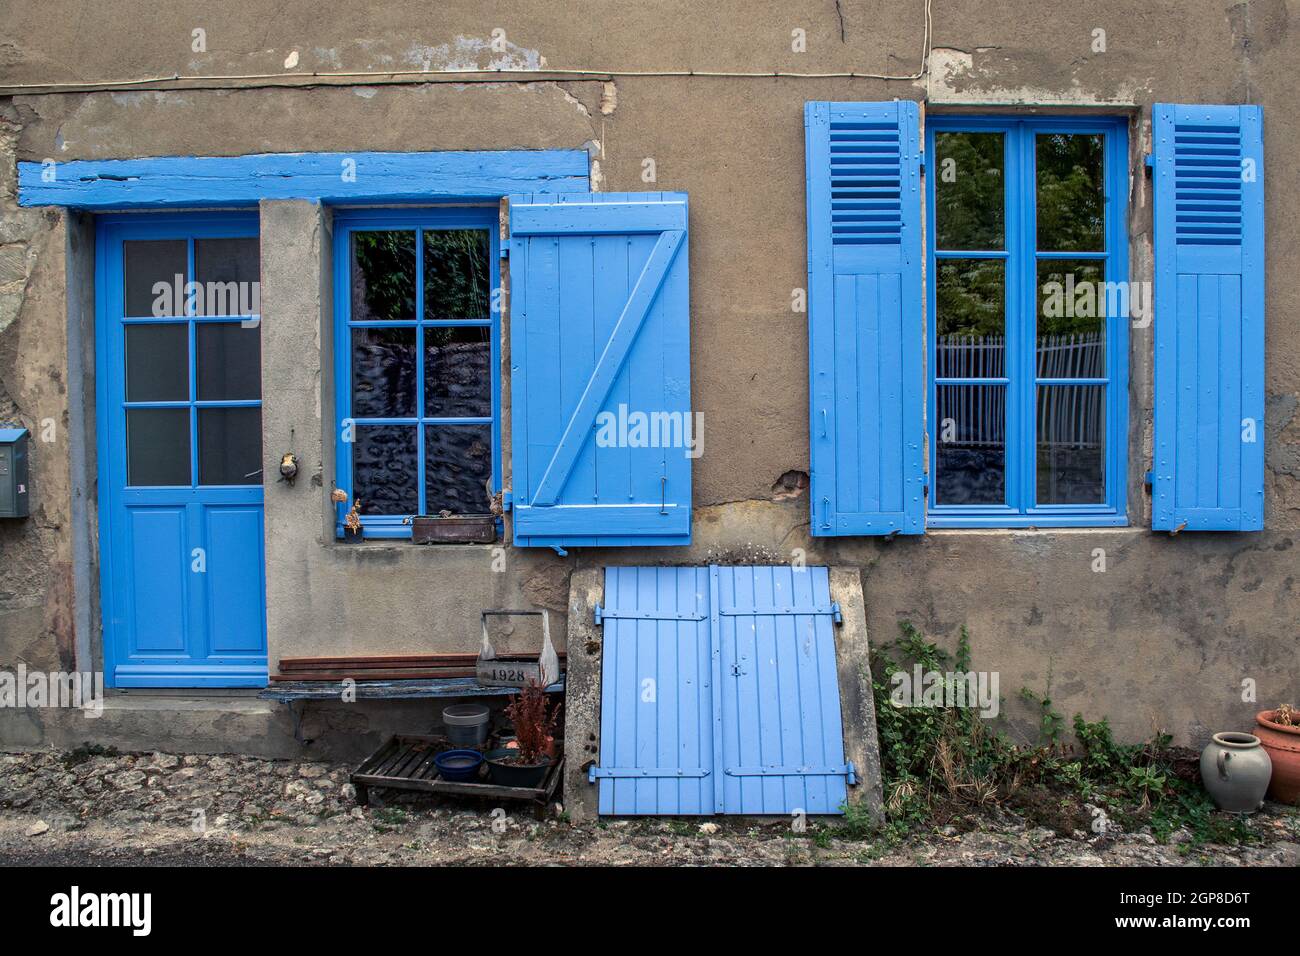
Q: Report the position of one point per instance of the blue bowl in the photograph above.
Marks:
(458, 766)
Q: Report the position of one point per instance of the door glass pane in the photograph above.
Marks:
(458, 466)
(456, 275)
(970, 296)
(230, 446)
(228, 274)
(385, 469)
(968, 191)
(1073, 303)
(970, 443)
(383, 373)
(1071, 192)
(157, 446)
(383, 275)
(146, 262)
(1071, 444)
(158, 363)
(457, 380)
(228, 361)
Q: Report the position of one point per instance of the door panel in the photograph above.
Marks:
(180, 451)
(156, 551)
(235, 579)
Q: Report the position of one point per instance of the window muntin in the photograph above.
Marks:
(418, 343)
(193, 367)
(1027, 354)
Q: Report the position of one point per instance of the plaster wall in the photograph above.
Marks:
(1165, 636)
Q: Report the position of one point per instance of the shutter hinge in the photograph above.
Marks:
(1149, 478)
(505, 250)
(507, 500)
(594, 773)
(600, 615)
(835, 612)
(1149, 161)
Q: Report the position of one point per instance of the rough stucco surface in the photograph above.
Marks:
(1164, 636)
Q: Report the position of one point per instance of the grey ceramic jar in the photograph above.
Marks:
(1235, 770)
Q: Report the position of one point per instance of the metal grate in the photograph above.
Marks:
(866, 184)
(1207, 184)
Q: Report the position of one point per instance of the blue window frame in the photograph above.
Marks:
(1027, 375)
(417, 359)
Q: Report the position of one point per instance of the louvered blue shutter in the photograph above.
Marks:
(865, 333)
(601, 426)
(1209, 318)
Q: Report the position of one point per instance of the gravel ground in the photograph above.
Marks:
(165, 809)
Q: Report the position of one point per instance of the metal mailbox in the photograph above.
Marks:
(13, 472)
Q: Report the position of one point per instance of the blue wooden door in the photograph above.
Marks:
(180, 451)
(719, 693)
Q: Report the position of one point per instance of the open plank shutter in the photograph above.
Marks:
(865, 331)
(601, 428)
(1209, 318)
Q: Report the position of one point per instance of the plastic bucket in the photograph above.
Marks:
(467, 724)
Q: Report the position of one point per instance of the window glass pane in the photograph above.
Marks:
(1071, 444)
(1073, 303)
(227, 271)
(383, 275)
(383, 373)
(230, 446)
(970, 441)
(458, 466)
(228, 361)
(158, 363)
(970, 296)
(456, 275)
(457, 380)
(157, 446)
(1071, 192)
(146, 262)
(385, 469)
(968, 191)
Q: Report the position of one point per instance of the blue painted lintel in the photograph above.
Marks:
(188, 181)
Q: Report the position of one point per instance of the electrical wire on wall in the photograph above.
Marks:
(176, 81)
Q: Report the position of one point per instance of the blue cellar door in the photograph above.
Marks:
(719, 693)
(180, 448)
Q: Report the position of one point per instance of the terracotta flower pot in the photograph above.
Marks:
(1283, 746)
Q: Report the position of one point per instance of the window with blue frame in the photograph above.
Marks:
(417, 352)
(1029, 301)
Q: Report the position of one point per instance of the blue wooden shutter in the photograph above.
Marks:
(600, 370)
(1209, 318)
(720, 693)
(865, 333)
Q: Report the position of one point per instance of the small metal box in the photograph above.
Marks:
(13, 472)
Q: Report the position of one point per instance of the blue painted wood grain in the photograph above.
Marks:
(712, 701)
(600, 325)
(865, 331)
(1208, 472)
(178, 181)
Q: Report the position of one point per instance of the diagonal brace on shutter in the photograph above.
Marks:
(611, 362)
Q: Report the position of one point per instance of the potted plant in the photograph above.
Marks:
(1279, 732)
(534, 719)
